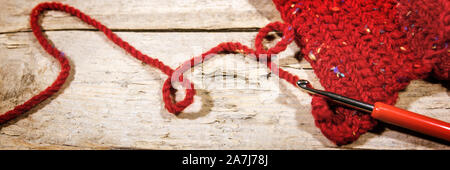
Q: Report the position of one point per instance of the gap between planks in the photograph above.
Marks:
(174, 30)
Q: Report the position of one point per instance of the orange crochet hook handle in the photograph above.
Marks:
(412, 121)
(389, 114)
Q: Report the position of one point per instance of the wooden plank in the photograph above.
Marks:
(113, 101)
(147, 15)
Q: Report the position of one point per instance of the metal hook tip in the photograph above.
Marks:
(302, 83)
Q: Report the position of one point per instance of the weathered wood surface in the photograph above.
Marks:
(112, 101)
(146, 15)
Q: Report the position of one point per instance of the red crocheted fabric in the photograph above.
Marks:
(367, 50)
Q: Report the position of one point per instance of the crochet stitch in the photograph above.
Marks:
(367, 50)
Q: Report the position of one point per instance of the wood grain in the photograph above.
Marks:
(146, 15)
(113, 101)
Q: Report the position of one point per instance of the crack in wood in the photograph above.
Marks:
(174, 30)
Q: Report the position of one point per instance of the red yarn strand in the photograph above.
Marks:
(172, 107)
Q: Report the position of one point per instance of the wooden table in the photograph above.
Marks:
(113, 101)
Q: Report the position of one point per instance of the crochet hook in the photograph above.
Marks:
(389, 114)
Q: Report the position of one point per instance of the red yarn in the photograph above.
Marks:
(363, 42)
(172, 107)
(379, 46)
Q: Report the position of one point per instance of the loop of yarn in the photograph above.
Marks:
(173, 75)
